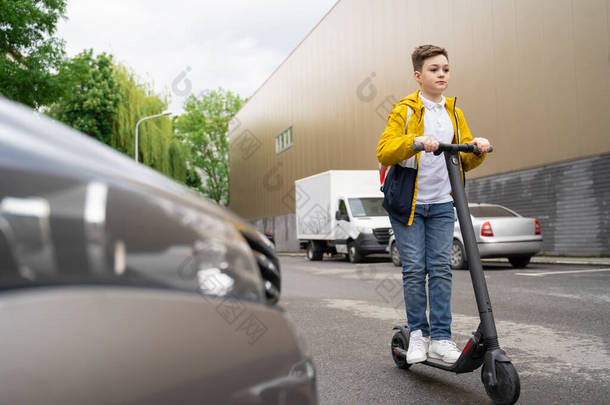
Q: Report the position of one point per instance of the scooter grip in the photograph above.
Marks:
(476, 149)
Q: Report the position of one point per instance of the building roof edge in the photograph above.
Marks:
(289, 55)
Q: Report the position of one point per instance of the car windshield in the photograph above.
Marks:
(367, 207)
(492, 211)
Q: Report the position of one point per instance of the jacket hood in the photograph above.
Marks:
(414, 101)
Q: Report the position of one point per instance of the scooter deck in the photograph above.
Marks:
(438, 363)
(470, 359)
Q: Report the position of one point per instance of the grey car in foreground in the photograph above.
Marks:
(500, 232)
(120, 286)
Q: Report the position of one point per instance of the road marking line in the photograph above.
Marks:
(564, 354)
(548, 273)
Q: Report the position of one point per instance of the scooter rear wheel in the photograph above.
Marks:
(507, 391)
(398, 340)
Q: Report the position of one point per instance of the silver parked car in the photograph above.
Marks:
(500, 232)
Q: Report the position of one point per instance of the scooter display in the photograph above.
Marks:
(498, 374)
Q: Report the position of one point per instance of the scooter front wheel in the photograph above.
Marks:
(508, 388)
(399, 341)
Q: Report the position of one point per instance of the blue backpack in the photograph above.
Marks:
(398, 189)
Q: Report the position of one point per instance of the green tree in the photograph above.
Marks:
(204, 127)
(105, 100)
(91, 101)
(30, 56)
(157, 145)
(193, 179)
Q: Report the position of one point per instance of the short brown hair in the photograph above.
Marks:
(424, 52)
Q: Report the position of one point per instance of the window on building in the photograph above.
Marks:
(284, 140)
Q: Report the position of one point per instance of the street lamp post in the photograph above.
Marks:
(147, 118)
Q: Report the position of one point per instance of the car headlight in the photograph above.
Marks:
(222, 262)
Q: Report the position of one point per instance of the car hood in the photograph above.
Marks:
(82, 154)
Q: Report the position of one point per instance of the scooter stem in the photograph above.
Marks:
(488, 326)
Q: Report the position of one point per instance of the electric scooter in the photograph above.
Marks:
(498, 374)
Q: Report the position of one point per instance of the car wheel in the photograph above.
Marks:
(313, 254)
(395, 255)
(458, 258)
(519, 262)
(352, 253)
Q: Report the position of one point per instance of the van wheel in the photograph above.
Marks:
(352, 253)
(314, 254)
(395, 255)
(458, 258)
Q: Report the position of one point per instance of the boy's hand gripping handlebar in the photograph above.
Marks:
(451, 147)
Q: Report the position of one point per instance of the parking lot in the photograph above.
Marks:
(552, 321)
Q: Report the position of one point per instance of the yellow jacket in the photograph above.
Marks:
(396, 143)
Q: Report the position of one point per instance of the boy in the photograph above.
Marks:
(424, 237)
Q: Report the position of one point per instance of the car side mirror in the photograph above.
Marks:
(338, 215)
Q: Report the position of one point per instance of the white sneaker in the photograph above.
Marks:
(418, 347)
(445, 350)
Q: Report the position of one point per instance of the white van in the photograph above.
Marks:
(339, 211)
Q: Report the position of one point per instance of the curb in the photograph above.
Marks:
(584, 261)
(597, 261)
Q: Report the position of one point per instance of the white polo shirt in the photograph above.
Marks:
(433, 185)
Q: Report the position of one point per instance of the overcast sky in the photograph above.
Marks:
(193, 45)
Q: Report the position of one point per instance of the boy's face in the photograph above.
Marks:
(434, 77)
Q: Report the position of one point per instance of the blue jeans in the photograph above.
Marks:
(425, 250)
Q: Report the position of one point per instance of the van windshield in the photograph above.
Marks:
(367, 207)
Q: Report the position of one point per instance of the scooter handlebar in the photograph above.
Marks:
(451, 147)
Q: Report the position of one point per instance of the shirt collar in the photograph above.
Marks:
(431, 105)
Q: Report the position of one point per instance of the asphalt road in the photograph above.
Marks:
(552, 320)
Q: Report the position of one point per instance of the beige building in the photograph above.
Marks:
(531, 76)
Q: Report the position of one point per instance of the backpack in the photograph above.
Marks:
(399, 187)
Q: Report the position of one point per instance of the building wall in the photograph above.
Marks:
(571, 201)
(532, 76)
(284, 229)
